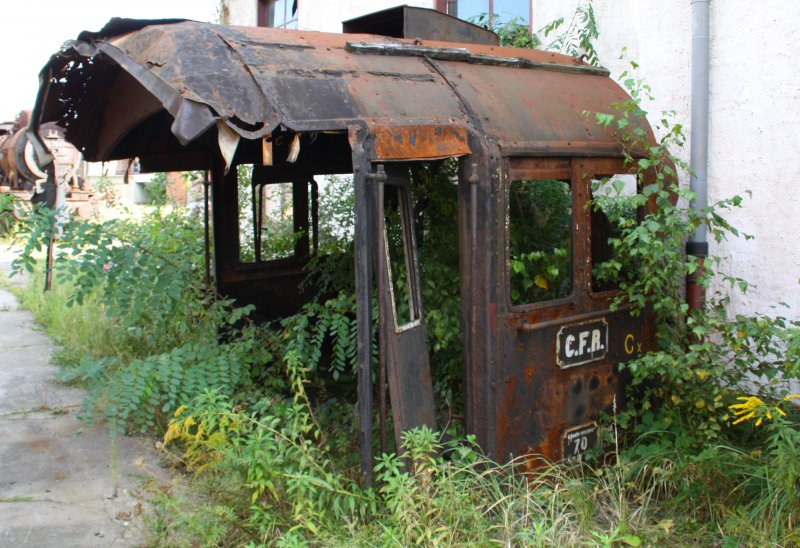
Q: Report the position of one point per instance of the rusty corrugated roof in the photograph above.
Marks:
(256, 79)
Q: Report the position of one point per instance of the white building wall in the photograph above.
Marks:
(240, 12)
(754, 118)
(323, 16)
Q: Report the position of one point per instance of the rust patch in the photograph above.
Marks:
(420, 142)
(41, 445)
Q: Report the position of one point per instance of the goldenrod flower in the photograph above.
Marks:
(754, 407)
(749, 416)
(750, 403)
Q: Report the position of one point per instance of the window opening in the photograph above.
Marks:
(401, 263)
(611, 212)
(277, 13)
(274, 219)
(540, 240)
(275, 234)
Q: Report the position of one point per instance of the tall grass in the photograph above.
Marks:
(81, 331)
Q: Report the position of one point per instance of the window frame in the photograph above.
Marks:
(410, 263)
(640, 212)
(450, 7)
(265, 15)
(305, 247)
(542, 169)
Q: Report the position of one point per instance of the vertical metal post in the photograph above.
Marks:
(206, 229)
(255, 194)
(698, 244)
(363, 274)
(314, 216)
(48, 274)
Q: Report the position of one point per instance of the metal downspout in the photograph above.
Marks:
(697, 245)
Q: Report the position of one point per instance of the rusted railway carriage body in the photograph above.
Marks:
(185, 95)
(21, 173)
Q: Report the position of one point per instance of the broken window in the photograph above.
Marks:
(400, 255)
(274, 220)
(540, 240)
(611, 211)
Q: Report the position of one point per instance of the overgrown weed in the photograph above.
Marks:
(81, 332)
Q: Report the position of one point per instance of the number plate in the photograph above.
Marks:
(578, 440)
(581, 343)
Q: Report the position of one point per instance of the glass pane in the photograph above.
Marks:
(398, 253)
(612, 210)
(279, 13)
(506, 10)
(540, 240)
(470, 10)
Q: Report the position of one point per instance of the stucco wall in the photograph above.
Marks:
(240, 12)
(754, 118)
(324, 16)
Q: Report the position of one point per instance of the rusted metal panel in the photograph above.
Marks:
(254, 79)
(424, 24)
(22, 173)
(404, 342)
(480, 257)
(419, 142)
(558, 361)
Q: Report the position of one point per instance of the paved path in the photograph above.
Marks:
(60, 488)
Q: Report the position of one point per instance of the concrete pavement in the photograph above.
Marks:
(61, 484)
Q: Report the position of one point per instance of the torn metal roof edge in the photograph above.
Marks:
(311, 81)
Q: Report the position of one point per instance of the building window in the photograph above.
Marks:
(492, 12)
(277, 13)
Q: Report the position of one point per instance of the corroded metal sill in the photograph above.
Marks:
(464, 55)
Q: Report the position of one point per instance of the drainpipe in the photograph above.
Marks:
(697, 245)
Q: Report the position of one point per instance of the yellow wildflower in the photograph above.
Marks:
(750, 403)
(754, 407)
(749, 416)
